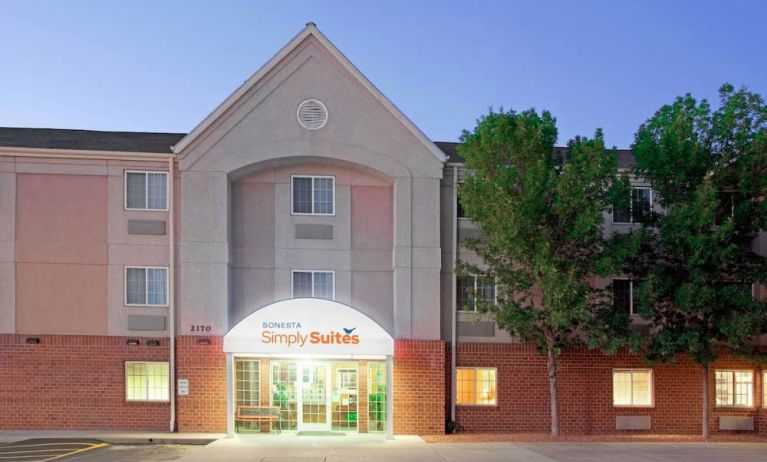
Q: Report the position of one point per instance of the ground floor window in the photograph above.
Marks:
(247, 388)
(475, 385)
(734, 388)
(284, 394)
(344, 388)
(376, 396)
(632, 387)
(146, 381)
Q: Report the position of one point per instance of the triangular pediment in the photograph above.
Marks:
(309, 61)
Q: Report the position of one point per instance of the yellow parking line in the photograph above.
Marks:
(22, 456)
(5, 453)
(6, 446)
(77, 451)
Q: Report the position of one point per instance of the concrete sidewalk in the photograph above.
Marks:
(114, 437)
(413, 449)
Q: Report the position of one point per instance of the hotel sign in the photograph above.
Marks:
(308, 326)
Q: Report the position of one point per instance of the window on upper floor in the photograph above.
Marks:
(734, 388)
(726, 207)
(146, 286)
(632, 387)
(147, 381)
(476, 386)
(625, 298)
(460, 212)
(316, 284)
(472, 289)
(146, 190)
(639, 207)
(313, 195)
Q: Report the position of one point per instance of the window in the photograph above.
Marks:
(726, 207)
(146, 286)
(639, 207)
(460, 212)
(313, 195)
(146, 381)
(346, 379)
(475, 386)
(734, 388)
(632, 387)
(376, 396)
(764, 395)
(472, 288)
(317, 284)
(625, 297)
(146, 191)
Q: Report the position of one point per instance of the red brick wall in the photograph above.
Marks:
(419, 386)
(585, 392)
(204, 410)
(74, 382)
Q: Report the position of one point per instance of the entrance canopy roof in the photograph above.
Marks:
(308, 326)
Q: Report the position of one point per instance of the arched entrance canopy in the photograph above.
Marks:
(308, 326)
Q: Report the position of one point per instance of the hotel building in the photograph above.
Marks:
(288, 266)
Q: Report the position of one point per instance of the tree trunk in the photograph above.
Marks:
(705, 401)
(552, 369)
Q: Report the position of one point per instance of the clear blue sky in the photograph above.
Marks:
(161, 65)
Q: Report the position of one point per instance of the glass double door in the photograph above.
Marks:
(314, 397)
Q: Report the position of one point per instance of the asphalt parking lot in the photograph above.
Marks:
(86, 450)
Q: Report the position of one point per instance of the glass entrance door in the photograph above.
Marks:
(314, 399)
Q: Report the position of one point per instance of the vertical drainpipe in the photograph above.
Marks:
(453, 307)
(171, 292)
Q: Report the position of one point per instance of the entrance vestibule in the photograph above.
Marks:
(316, 395)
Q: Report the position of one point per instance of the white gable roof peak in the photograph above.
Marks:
(310, 30)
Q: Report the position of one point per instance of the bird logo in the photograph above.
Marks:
(349, 331)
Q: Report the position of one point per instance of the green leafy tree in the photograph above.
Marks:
(541, 220)
(709, 169)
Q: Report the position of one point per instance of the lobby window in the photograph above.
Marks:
(764, 391)
(146, 190)
(475, 386)
(313, 195)
(147, 286)
(146, 381)
(632, 387)
(734, 388)
(625, 297)
(317, 284)
(639, 207)
(472, 289)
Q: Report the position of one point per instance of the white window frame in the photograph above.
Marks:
(147, 383)
(292, 272)
(146, 192)
(764, 388)
(631, 206)
(476, 279)
(475, 368)
(632, 371)
(146, 287)
(734, 384)
(313, 213)
(632, 312)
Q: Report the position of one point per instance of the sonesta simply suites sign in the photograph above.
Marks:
(308, 326)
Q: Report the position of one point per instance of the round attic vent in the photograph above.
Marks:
(312, 114)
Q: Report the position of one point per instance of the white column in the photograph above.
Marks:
(389, 398)
(229, 395)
